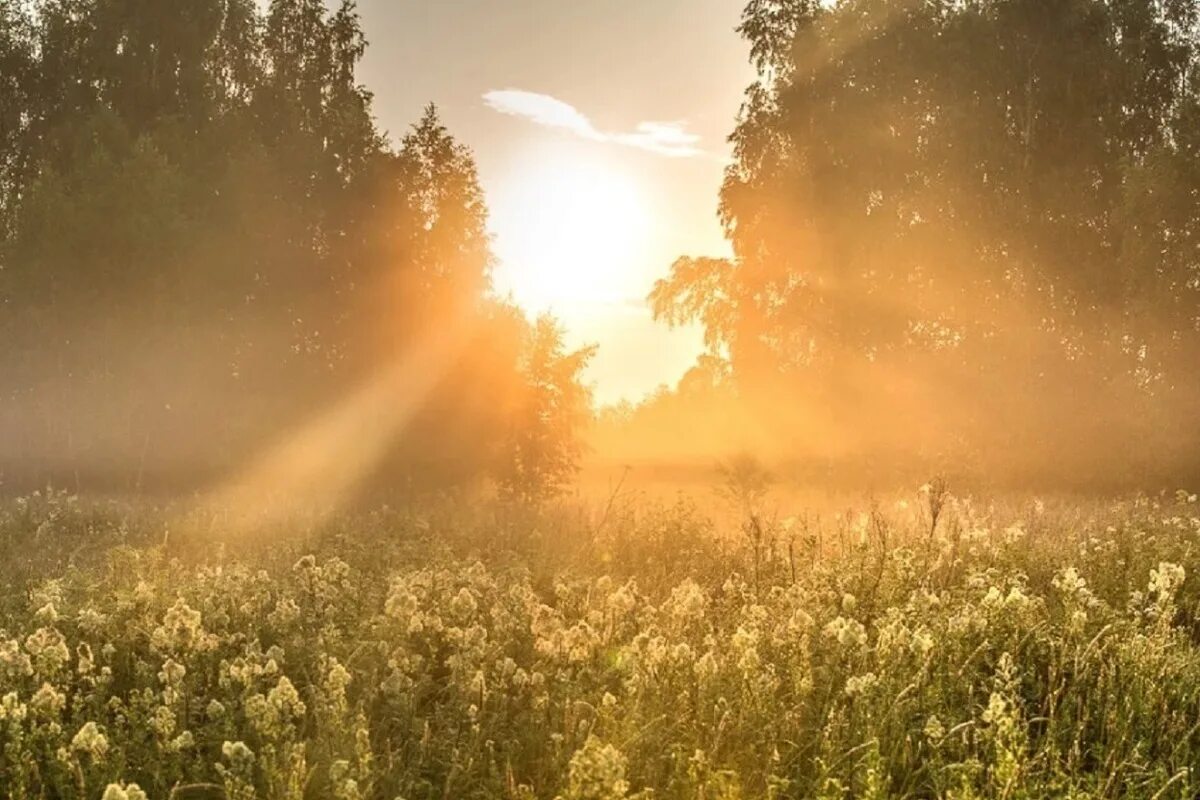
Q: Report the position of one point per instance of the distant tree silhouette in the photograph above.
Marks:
(204, 239)
(978, 220)
(541, 454)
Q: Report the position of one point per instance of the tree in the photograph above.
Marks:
(932, 210)
(450, 244)
(17, 79)
(541, 453)
(205, 240)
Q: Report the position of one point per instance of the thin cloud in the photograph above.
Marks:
(664, 138)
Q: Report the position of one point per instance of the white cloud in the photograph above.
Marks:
(543, 110)
(664, 138)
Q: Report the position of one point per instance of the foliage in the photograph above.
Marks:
(542, 454)
(964, 217)
(1021, 649)
(197, 209)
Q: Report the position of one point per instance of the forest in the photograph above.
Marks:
(963, 232)
(207, 240)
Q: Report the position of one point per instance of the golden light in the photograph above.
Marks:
(569, 230)
(312, 470)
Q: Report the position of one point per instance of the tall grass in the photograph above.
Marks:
(929, 646)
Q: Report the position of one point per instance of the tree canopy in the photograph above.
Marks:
(969, 226)
(205, 238)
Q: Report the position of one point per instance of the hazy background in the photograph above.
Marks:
(859, 242)
(617, 61)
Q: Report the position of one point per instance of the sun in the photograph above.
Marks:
(569, 229)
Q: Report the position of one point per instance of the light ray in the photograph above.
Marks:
(313, 470)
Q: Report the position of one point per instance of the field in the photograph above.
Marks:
(925, 645)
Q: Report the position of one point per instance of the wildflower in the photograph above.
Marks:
(180, 630)
(596, 772)
(922, 642)
(184, 741)
(345, 787)
(48, 593)
(706, 666)
(799, 622)
(687, 602)
(337, 678)
(90, 620)
(47, 614)
(90, 740)
(172, 673)
(285, 700)
(861, 684)
(48, 649)
(478, 685)
(1070, 583)
(745, 645)
(1013, 533)
(285, 613)
(1166, 579)
(237, 752)
(849, 633)
(403, 605)
(934, 730)
(975, 535)
(12, 708)
(13, 660)
(117, 791)
(464, 605)
(48, 701)
(143, 592)
(1016, 598)
(997, 709)
(84, 662)
(622, 601)
(163, 722)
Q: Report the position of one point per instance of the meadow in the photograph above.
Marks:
(925, 645)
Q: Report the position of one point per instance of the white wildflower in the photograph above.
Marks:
(90, 740)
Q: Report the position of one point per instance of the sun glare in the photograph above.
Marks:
(569, 232)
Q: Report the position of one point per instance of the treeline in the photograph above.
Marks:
(968, 231)
(205, 238)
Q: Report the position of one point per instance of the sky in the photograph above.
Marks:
(599, 128)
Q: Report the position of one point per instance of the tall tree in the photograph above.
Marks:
(541, 454)
(944, 208)
(450, 244)
(204, 239)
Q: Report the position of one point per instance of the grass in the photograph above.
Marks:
(648, 649)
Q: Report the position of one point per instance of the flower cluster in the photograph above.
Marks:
(966, 662)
